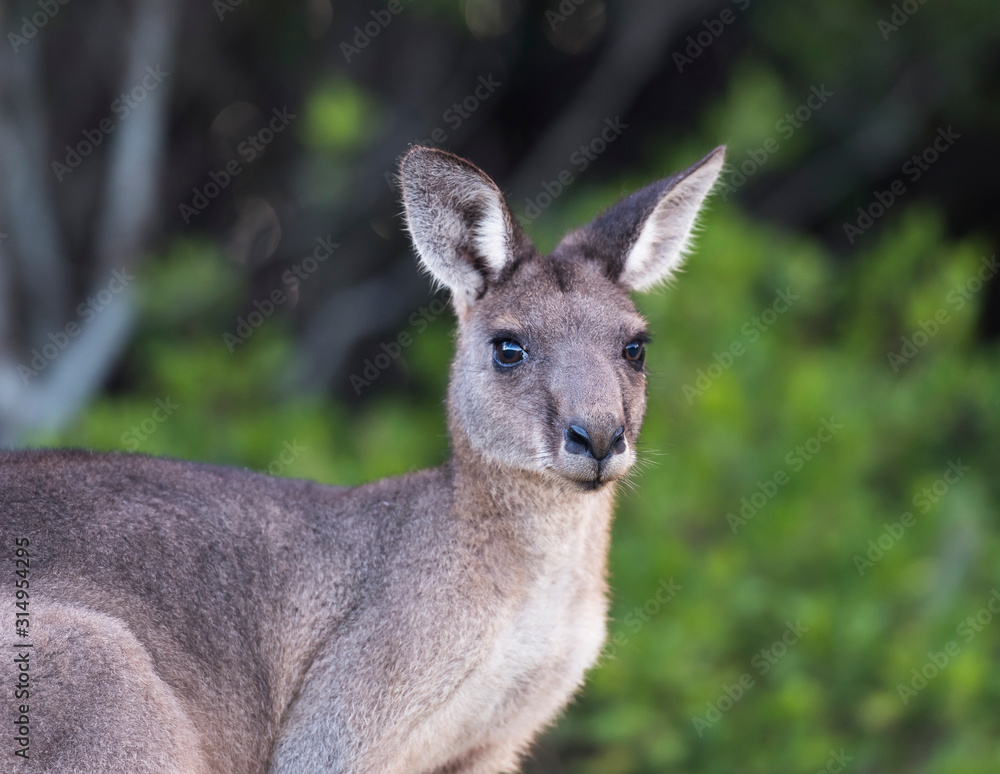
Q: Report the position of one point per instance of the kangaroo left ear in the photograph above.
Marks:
(461, 226)
(644, 237)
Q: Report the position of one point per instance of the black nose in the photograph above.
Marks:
(599, 445)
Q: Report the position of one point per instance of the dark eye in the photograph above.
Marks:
(508, 353)
(635, 353)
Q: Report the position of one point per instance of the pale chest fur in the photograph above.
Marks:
(539, 654)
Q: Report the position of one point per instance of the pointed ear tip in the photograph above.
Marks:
(416, 154)
(430, 159)
(420, 149)
(412, 154)
(717, 154)
(711, 164)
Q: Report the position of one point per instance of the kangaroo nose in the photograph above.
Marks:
(599, 445)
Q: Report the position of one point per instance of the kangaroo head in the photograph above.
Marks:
(549, 373)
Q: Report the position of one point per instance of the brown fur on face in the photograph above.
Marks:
(574, 323)
(193, 619)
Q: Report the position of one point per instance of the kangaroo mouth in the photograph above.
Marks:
(594, 484)
(588, 474)
(590, 481)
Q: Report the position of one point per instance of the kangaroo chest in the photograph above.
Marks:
(535, 655)
(554, 628)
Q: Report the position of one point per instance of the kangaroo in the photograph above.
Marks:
(192, 619)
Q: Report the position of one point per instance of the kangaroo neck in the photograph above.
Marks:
(536, 506)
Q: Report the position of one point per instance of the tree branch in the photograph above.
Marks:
(67, 381)
(631, 57)
(36, 242)
(137, 148)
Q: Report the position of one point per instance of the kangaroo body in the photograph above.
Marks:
(190, 618)
(294, 616)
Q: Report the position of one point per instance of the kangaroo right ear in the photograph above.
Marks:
(642, 239)
(459, 222)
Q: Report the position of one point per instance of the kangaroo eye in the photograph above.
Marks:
(508, 353)
(635, 353)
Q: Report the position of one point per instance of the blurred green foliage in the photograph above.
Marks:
(338, 116)
(742, 579)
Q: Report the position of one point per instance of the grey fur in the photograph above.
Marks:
(190, 618)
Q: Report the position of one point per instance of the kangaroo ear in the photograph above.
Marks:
(643, 238)
(459, 221)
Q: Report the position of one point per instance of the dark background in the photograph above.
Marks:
(117, 123)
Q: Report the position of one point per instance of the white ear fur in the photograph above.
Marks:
(458, 220)
(666, 234)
